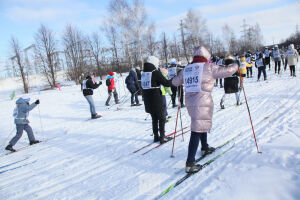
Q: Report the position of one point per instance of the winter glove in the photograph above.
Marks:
(37, 102)
(100, 83)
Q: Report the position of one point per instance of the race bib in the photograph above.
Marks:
(259, 62)
(243, 65)
(172, 72)
(248, 60)
(146, 80)
(276, 54)
(193, 77)
(290, 53)
(267, 53)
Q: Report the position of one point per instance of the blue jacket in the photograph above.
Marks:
(23, 109)
(132, 82)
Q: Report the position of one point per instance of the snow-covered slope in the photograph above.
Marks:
(93, 159)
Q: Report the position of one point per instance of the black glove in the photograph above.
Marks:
(37, 102)
(100, 83)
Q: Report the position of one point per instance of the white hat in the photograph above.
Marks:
(201, 51)
(153, 60)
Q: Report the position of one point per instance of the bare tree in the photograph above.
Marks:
(20, 69)
(45, 46)
(183, 42)
(120, 16)
(164, 43)
(150, 41)
(76, 52)
(229, 39)
(94, 45)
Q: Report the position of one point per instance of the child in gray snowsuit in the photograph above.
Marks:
(21, 113)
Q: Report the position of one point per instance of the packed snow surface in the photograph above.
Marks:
(93, 159)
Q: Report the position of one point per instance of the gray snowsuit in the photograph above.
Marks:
(22, 122)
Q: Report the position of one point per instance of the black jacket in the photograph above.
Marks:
(231, 84)
(132, 82)
(90, 85)
(153, 97)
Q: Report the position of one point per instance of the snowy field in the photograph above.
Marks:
(93, 159)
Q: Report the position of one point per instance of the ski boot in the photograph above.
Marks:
(208, 150)
(191, 167)
(34, 142)
(107, 104)
(174, 106)
(132, 104)
(182, 106)
(222, 105)
(95, 116)
(138, 104)
(10, 148)
(164, 139)
(118, 102)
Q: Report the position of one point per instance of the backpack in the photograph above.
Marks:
(108, 83)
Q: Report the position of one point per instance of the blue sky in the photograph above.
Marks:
(22, 18)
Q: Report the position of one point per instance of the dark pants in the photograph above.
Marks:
(164, 102)
(292, 69)
(285, 64)
(262, 70)
(140, 87)
(20, 128)
(268, 62)
(158, 123)
(221, 82)
(176, 90)
(110, 92)
(194, 143)
(277, 65)
(135, 95)
(249, 72)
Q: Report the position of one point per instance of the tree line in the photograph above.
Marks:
(124, 39)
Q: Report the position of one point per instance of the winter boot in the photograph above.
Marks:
(10, 148)
(208, 150)
(107, 104)
(222, 105)
(168, 117)
(132, 104)
(156, 138)
(138, 104)
(96, 116)
(191, 167)
(34, 142)
(118, 102)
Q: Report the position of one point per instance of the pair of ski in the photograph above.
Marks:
(26, 147)
(157, 146)
(202, 166)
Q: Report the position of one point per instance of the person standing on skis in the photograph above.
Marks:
(151, 80)
(133, 87)
(231, 83)
(21, 113)
(111, 89)
(260, 65)
(89, 84)
(198, 79)
(292, 59)
(173, 69)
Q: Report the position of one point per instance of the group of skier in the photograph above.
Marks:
(198, 78)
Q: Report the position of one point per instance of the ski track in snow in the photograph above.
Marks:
(93, 159)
